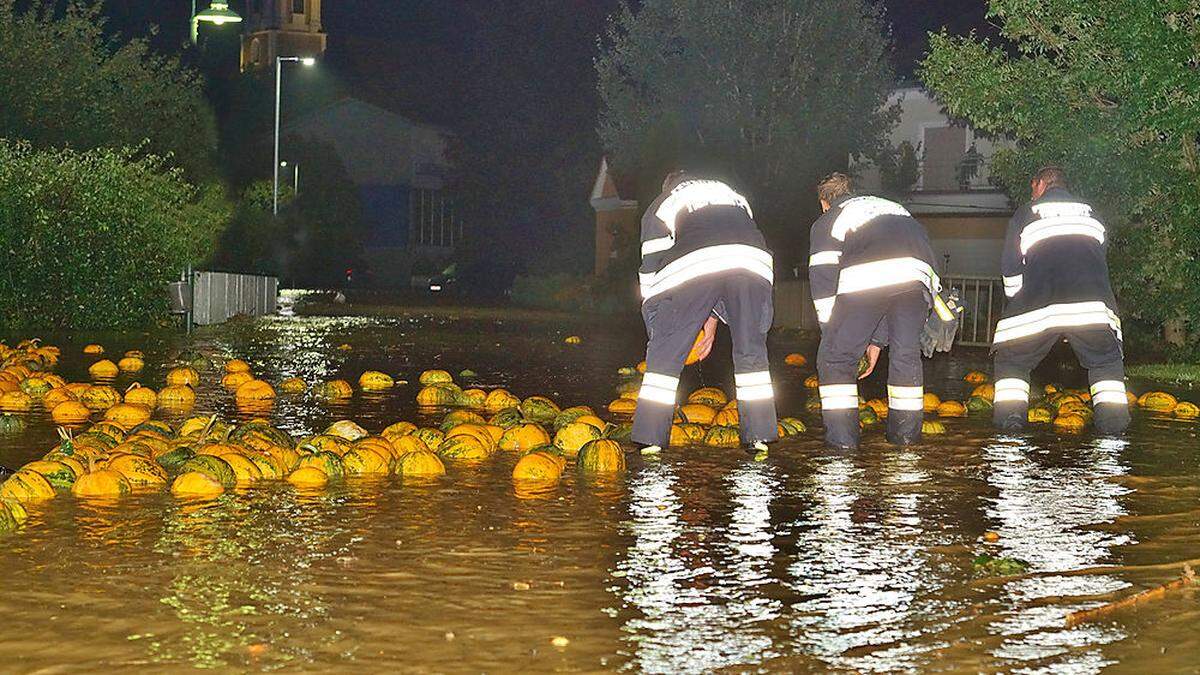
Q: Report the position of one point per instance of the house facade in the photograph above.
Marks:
(281, 28)
(399, 167)
(951, 193)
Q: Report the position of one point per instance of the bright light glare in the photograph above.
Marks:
(435, 288)
(309, 61)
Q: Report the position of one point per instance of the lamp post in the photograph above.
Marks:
(279, 60)
(295, 176)
(218, 14)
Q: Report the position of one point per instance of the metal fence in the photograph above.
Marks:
(220, 296)
(982, 298)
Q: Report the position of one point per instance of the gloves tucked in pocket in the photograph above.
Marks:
(942, 326)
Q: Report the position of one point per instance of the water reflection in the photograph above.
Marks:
(1047, 508)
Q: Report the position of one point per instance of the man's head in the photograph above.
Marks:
(832, 188)
(674, 178)
(1047, 177)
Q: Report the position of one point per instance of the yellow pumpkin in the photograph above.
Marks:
(103, 484)
(244, 470)
(15, 401)
(727, 417)
(398, 430)
(880, 407)
(100, 397)
(131, 364)
(420, 463)
(697, 413)
(1186, 410)
(70, 413)
(363, 461)
(812, 382)
(140, 395)
(435, 377)
(932, 402)
(622, 406)
(308, 477)
(523, 438)
(1158, 401)
(103, 370)
(378, 444)
(641, 367)
(932, 428)
(986, 391)
(135, 353)
(139, 471)
(93, 349)
(601, 457)
(26, 487)
(713, 397)
(472, 398)
(184, 375)
(373, 380)
(293, 385)
(57, 396)
(591, 420)
(500, 399)
(255, 390)
(539, 467)
(797, 360)
(237, 366)
(402, 445)
(176, 396)
(975, 377)
(232, 381)
(1070, 422)
(693, 355)
(194, 484)
(127, 415)
(952, 409)
(571, 438)
(477, 431)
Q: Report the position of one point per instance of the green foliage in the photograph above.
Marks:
(65, 84)
(899, 170)
(772, 93)
(1109, 91)
(89, 239)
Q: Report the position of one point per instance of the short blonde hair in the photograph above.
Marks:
(834, 186)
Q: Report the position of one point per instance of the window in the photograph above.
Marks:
(432, 220)
(298, 6)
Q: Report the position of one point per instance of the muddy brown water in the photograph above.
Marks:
(697, 560)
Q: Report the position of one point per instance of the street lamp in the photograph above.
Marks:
(295, 176)
(279, 60)
(218, 14)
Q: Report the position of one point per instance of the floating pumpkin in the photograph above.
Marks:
(975, 377)
(539, 467)
(573, 340)
(500, 399)
(979, 404)
(1040, 414)
(176, 396)
(244, 470)
(103, 484)
(812, 382)
(402, 445)
(797, 360)
(641, 367)
(1071, 422)
(308, 477)
(15, 401)
(420, 463)
(622, 406)
(722, 437)
(293, 385)
(128, 415)
(571, 438)
(36, 387)
(697, 413)
(880, 407)
(232, 381)
(397, 430)
(138, 471)
(100, 397)
(139, 395)
(601, 456)
(1158, 401)
(26, 487)
(430, 436)
(255, 390)
(932, 428)
(93, 349)
(347, 430)
(437, 396)
(1186, 410)
(237, 366)
(58, 473)
(131, 364)
(214, 467)
(463, 447)
(790, 426)
(540, 409)
(70, 413)
(985, 391)
(478, 431)
(329, 463)
(430, 377)
(373, 380)
(194, 484)
(951, 409)
(523, 438)
(366, 462)
(932, 402)
(727, 417)
(183, 375)
(686, 434)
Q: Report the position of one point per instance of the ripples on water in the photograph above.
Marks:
(698, 560)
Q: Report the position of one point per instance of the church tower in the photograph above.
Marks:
(281, 28)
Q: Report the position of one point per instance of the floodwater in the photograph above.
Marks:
(697, 560)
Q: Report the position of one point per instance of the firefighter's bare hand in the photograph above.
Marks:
(710, 336)
(873, 352)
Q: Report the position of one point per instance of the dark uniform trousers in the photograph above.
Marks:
(1098, 350)
(744, 301)
(844, 340)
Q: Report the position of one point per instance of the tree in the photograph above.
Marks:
(66, 84)
(772, 93)
(1109, 91)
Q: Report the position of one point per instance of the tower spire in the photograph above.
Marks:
(281, 28)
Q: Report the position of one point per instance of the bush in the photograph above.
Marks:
(89, 239)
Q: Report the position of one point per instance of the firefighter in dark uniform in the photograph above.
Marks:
(1056, 279)
(872, 274)
(704, 259)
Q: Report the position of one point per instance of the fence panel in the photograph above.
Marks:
(983, 300)
(793, 305)
(220, 296)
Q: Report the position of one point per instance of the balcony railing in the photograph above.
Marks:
(968, 174)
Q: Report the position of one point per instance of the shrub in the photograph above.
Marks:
(89, 239)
